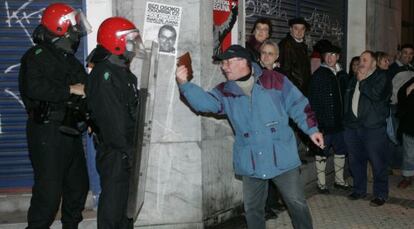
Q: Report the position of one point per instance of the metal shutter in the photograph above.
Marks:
(328, 18)
(278, 11)
(18, 18)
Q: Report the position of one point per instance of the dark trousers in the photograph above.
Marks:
(114, 171)
(371, 145)
(60, 173)
(273, 198)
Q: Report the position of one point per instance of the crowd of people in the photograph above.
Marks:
(363, 116)
(277, 98)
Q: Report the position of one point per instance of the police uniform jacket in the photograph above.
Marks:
(112, 100)
(45, 75)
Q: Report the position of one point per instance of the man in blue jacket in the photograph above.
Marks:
(258, 105)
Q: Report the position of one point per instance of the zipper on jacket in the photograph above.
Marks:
(252, 159)
(274, 155)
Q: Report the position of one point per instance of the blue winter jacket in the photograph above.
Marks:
(265, 145)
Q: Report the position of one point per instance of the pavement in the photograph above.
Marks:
(334, 210)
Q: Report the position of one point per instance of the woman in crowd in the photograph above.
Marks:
(269, 53)
(353, 66)
(262, 30)
(383, 60)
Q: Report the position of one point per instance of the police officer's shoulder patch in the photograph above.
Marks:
(39, 50)
(106, 75)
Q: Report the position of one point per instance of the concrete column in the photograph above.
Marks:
(96, 11)
(383, 25)
(190, 178)
(357, 28)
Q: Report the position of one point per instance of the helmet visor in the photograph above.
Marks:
(133, 42)
(78, 21)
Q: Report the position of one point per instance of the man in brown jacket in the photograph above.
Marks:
(294, 59)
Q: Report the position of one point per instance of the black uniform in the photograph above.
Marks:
(58, 159)
(112, 100)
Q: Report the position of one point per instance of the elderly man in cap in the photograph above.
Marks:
(258, 104)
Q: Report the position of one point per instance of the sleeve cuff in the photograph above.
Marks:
(183, 87)
(312, 131)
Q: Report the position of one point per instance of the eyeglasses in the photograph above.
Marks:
(230, 61)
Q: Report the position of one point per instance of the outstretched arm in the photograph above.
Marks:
(199, 100)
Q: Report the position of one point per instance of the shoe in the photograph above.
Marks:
(345, 187)
(376, 202)
(404, 183)
(323, 190)
(356, 196)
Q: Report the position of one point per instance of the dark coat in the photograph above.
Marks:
(326, 98)
(373, 106)
(406, 109)
(45, 75)
(295, 62)
(253, 46)
(113, 99)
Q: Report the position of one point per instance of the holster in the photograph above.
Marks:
(40, 113)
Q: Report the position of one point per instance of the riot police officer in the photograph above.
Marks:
(112, 100)
(49, 75)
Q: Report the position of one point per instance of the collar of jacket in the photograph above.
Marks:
(409, 66)
(231, 86)
(294, 39)
(370, 73)
(334, 70)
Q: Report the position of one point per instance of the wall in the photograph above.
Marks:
(174, 186)
(407, 31)
(96, 12)
(356, 41)
(383, 25)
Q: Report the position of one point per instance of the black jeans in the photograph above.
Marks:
(114, 171)
(60, 173)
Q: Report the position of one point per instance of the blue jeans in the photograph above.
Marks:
(292, 191)
(94, 182)
(371, 145)
(408, 157)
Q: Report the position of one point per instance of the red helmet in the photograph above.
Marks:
(58, 17)
(114, 33)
